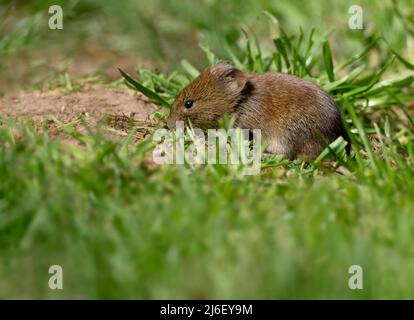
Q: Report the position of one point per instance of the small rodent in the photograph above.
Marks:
(294, 115)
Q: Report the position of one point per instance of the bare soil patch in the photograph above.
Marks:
(114, 110)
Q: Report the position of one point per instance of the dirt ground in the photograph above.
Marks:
(113, 110)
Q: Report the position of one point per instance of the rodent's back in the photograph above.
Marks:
(295, 111)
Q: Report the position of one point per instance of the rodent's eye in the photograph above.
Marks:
(188, 104)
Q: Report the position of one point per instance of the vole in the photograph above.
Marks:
(296, 117)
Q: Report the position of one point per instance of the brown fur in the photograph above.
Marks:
(297, 118)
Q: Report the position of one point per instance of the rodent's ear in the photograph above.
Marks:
(222, 68)
(229, 75)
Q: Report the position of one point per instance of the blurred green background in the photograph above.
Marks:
(105, 34)
(122, 229)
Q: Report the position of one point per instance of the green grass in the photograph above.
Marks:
(123, 229)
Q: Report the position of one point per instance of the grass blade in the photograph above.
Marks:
(144, 90)
(190, 69)
(327, 59)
